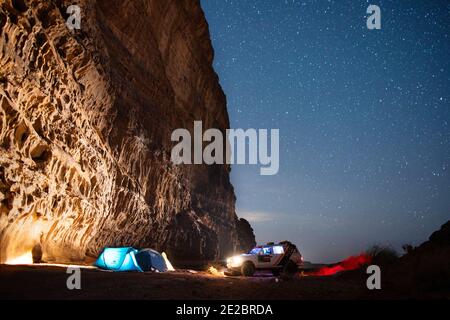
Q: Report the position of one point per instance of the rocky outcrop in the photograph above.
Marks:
(86, 120)
(425, 270)
(440, 237)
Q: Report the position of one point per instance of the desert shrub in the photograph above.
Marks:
(382, 255)
(408, 248)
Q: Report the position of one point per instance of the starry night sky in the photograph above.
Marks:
(364, 118)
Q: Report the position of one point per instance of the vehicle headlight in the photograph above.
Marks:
(235, 261)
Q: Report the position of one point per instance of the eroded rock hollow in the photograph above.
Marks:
(85, 126)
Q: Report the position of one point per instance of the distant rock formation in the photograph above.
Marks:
(425, 270)
(85, 123)
(442, 236)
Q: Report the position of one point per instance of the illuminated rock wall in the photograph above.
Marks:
(85, 124)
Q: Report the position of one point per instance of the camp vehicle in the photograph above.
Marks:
(278, 258)
(131, 259)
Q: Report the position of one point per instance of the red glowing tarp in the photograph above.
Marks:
(351, 263)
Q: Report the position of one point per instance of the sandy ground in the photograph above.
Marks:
(49, 282)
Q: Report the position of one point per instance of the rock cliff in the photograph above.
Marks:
(85, 123)
(424, 269)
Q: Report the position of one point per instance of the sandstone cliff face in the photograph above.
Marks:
(85, 125)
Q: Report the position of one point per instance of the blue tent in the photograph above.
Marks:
(118, 259)
(151, 260)
(130, 259)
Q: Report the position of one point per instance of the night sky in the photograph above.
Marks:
(364, 118)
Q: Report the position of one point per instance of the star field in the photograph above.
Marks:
(363, 117)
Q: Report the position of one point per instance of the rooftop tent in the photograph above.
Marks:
(151, 260)
(118, 259)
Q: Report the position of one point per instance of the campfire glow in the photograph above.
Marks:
(351, 263)
(216, 272)
(26, 258)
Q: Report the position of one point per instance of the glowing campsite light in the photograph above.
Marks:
(26, 258)
(215, 272)
(168, 264)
